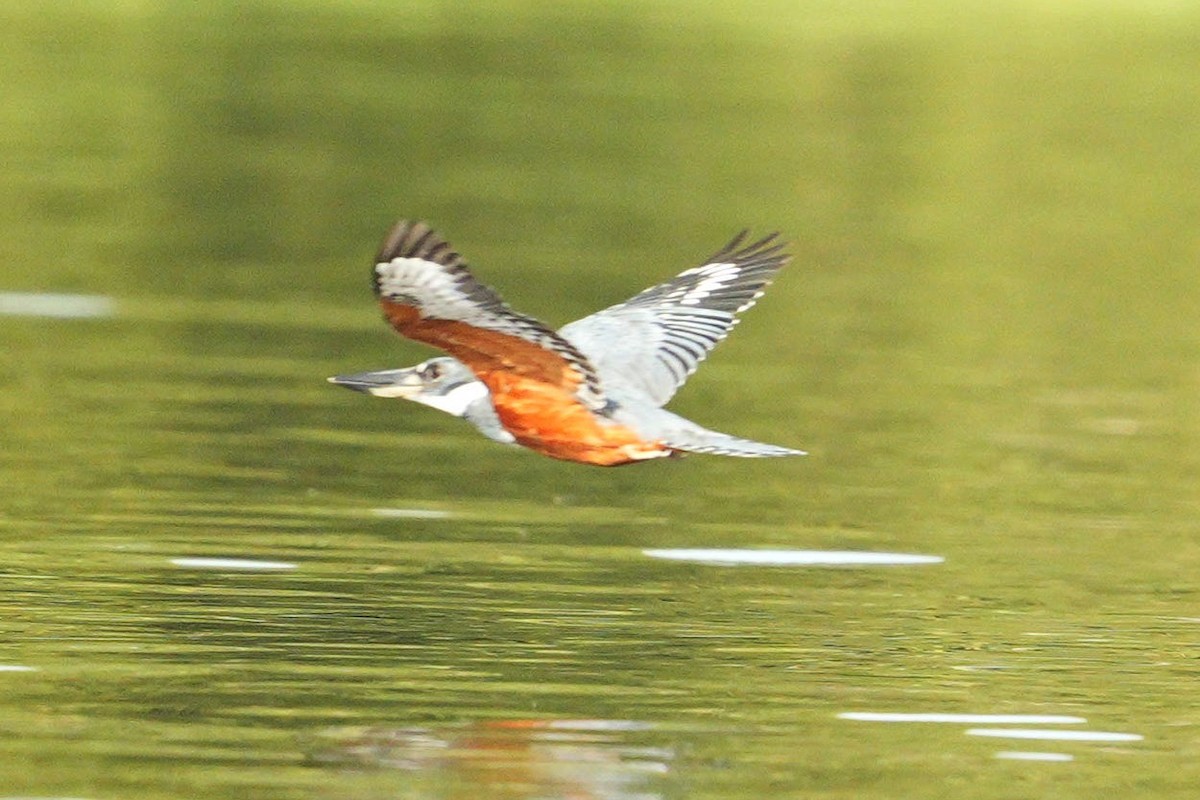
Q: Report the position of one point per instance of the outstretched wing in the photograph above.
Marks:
(428, 294)
(656, 339)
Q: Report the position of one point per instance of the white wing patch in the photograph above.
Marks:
(426, 286)
(716, 277)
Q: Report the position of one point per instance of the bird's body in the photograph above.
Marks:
(592, 392)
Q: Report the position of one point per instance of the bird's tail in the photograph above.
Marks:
(721, 444)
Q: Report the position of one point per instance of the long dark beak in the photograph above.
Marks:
(383, 383)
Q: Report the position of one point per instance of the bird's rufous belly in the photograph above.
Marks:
(553, 422)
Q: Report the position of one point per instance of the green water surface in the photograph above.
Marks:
(989, 341)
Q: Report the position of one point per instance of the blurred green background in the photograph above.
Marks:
(987, 340)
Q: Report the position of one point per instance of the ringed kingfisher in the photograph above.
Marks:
(594, 391)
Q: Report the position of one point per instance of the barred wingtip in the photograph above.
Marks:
(767, 250)
(417, 239)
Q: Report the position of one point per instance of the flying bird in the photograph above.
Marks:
(592, 392)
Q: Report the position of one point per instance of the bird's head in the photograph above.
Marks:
(442, 383)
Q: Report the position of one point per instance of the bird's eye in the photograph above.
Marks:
(431, 371)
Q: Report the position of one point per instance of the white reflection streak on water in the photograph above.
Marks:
(58, 306)
(231, 563)
(782, 558)
(1062, 736)
(1023, 755)
(969, 719)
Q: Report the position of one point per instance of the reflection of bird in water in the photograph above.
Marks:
(587, 759)
(592, 392)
